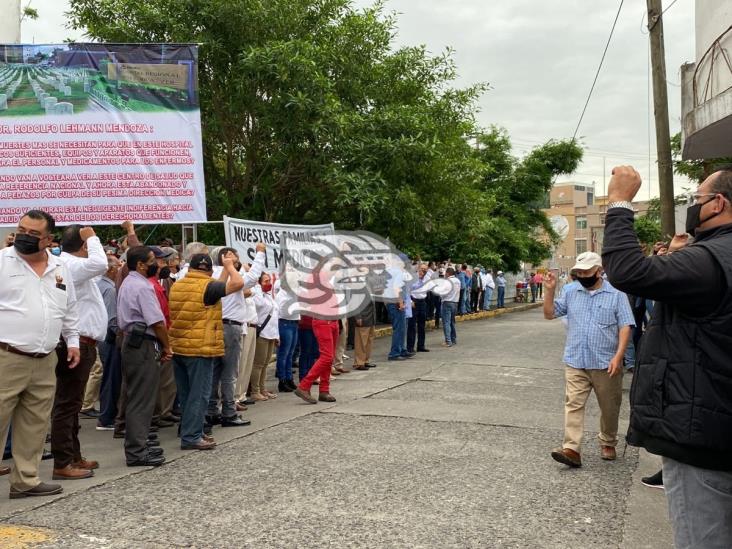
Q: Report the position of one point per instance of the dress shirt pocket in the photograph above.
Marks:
(604, 316)
(57, 301)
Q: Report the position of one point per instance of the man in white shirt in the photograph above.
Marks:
(234, 317)
(37, 306)
(449, 308)
(488, 286)
(86, 260)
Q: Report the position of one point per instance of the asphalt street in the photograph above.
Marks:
(448, 449)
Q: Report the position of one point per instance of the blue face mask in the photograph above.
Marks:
(56, 251)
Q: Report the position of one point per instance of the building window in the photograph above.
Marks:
(581, 223)
(590, 198)
(580, 246)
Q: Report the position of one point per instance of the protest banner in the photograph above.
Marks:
(243, 235)
(100, 133)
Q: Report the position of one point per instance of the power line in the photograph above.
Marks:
(597, 74)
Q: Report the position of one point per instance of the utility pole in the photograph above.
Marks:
(660, 111)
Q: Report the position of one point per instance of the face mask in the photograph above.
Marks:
(164, 273)
(266, 288)
(26, 244)
(588, 281)
(152, 270)
(56, 250)
(693, 214)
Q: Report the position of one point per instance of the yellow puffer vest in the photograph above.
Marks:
(195, 330)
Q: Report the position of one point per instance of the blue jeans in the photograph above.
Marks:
(309, 352)
(501, 296)
(487, 296)
(193, 378)
(464, 300)
(700, 505)
(286, 350)
(449, 308)
(398, 330)
(111, 359)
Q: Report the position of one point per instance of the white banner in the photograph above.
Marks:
(243, 235)
(97, 134)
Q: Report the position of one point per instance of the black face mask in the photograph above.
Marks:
(588, 281)
(152, 270)
(26, 244)
(164, 273)
(693, 219)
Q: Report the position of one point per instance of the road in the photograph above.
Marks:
(449, 449)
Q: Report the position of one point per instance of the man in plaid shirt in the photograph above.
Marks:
(599, 324)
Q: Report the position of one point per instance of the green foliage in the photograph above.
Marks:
(648, 229)
(310, 114)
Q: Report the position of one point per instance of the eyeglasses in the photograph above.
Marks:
(693, 198)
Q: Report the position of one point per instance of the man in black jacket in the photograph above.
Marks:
(681, 398)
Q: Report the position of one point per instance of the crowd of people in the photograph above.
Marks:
(164, 337)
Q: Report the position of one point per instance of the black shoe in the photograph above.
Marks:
(149, 461)
(283, 387)
(155, 452)
(654, 481)
(410, 351)
(248, 402)
(236, 421)
(409, 354)
(46, 455)
(152, 443)
(118, 434)
(423, 350)
(163, 423)
(400, 357)
(90, 413)
(152, 436)
(291, 384)
(154, 428)
(370, 365)
(213, 420)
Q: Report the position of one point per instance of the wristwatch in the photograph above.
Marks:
(621, 204)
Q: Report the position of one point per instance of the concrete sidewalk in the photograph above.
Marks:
(448, 449)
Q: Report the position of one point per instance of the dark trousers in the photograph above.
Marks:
(111, 382)
(415, 325)
(193, 377)
(434, 308)
(70, 386)
(475, 299)
(309, 351)
(142, 375)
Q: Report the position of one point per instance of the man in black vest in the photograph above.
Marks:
(681, 398)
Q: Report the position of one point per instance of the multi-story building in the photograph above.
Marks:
(578, 215)
(706, 92)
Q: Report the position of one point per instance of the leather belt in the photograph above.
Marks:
(144, 336)
(88, 341)
(11, 349)
(233, 322)
(251, 325)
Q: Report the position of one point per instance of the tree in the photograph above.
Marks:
(310, 114)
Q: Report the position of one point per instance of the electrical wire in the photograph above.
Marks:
(597, 74)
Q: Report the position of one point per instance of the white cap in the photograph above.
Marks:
(499, 273)
(586, 261)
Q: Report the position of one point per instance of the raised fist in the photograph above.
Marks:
(86, 232)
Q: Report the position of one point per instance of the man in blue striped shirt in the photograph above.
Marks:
(599, 324)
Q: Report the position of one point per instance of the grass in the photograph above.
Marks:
(24, 102)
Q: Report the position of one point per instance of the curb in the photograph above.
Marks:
(430, 325)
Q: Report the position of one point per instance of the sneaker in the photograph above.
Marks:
(101, 427)
(654, 481)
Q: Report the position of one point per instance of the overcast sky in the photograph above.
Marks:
(539, 57)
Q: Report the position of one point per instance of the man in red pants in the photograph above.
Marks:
(326, 332)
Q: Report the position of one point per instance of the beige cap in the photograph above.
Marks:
(586, 261)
